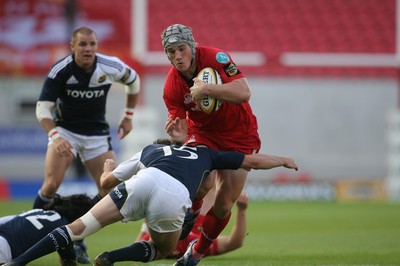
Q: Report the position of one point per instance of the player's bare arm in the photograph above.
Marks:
(132, 95)
(237, 91)
(265, 161)
(176, 129)
(45, 118)
(60, 144)
(107, 179)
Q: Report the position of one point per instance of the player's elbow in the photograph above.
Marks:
(238, 243)
(244, 91)
(243, 97)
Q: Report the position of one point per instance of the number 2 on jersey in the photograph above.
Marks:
(35, 218)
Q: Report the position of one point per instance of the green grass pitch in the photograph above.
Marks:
(282, 233)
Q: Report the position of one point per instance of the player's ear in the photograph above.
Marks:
(71, 45)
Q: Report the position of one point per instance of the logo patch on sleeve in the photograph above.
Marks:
(231, 70)
(222, 58)
(125, 78)
(102, 78)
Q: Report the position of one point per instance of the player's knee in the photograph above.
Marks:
(237, 244)
(222, 207)
(221, 211)
(163, 254)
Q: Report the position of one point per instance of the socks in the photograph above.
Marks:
(58, 240)
(143, 251)
(212, 227)
(41, 200)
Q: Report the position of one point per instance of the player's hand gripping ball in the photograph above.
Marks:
(210, 76)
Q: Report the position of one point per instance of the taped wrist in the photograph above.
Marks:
(129, 113)
(53, 134)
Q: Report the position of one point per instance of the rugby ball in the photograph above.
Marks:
(210, 76)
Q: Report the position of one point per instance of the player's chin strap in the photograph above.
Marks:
(91, 227)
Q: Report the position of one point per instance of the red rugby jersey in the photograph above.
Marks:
(232, 127)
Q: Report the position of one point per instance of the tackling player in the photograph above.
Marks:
(159, 184)
(224, 243)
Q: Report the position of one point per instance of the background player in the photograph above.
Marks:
(77, 87)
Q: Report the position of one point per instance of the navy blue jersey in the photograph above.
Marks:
(81, 97)
(187, 164)
(27, 228)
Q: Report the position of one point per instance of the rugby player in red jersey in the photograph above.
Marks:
(233, 127)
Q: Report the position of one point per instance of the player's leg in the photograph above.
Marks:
(237, 236)
(95, 168)
(194, 211)
(96, 150)
(158, 247)
(55, 168)
(229, 185)
(165, 242)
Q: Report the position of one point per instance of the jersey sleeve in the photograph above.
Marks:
(5, 219)
(221, 61)
(117, 70)
(128, 168)
(51, 88)
(127, 76)
(227, 160)
(172, 98)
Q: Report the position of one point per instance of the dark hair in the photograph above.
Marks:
(71, 207)
(162, 141)
(166, 142)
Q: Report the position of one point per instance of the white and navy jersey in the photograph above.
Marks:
(81, 97)
(27, 228)
(189, 165)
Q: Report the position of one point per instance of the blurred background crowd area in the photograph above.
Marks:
(324, 76)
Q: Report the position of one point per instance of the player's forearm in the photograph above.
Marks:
(265, 161)
(108, 180)
(236, 237)
(47, 124)
(178, 131)
(237, 91)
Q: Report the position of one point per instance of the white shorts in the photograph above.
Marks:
(88, 147)
(156, 196)
(5, 251)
